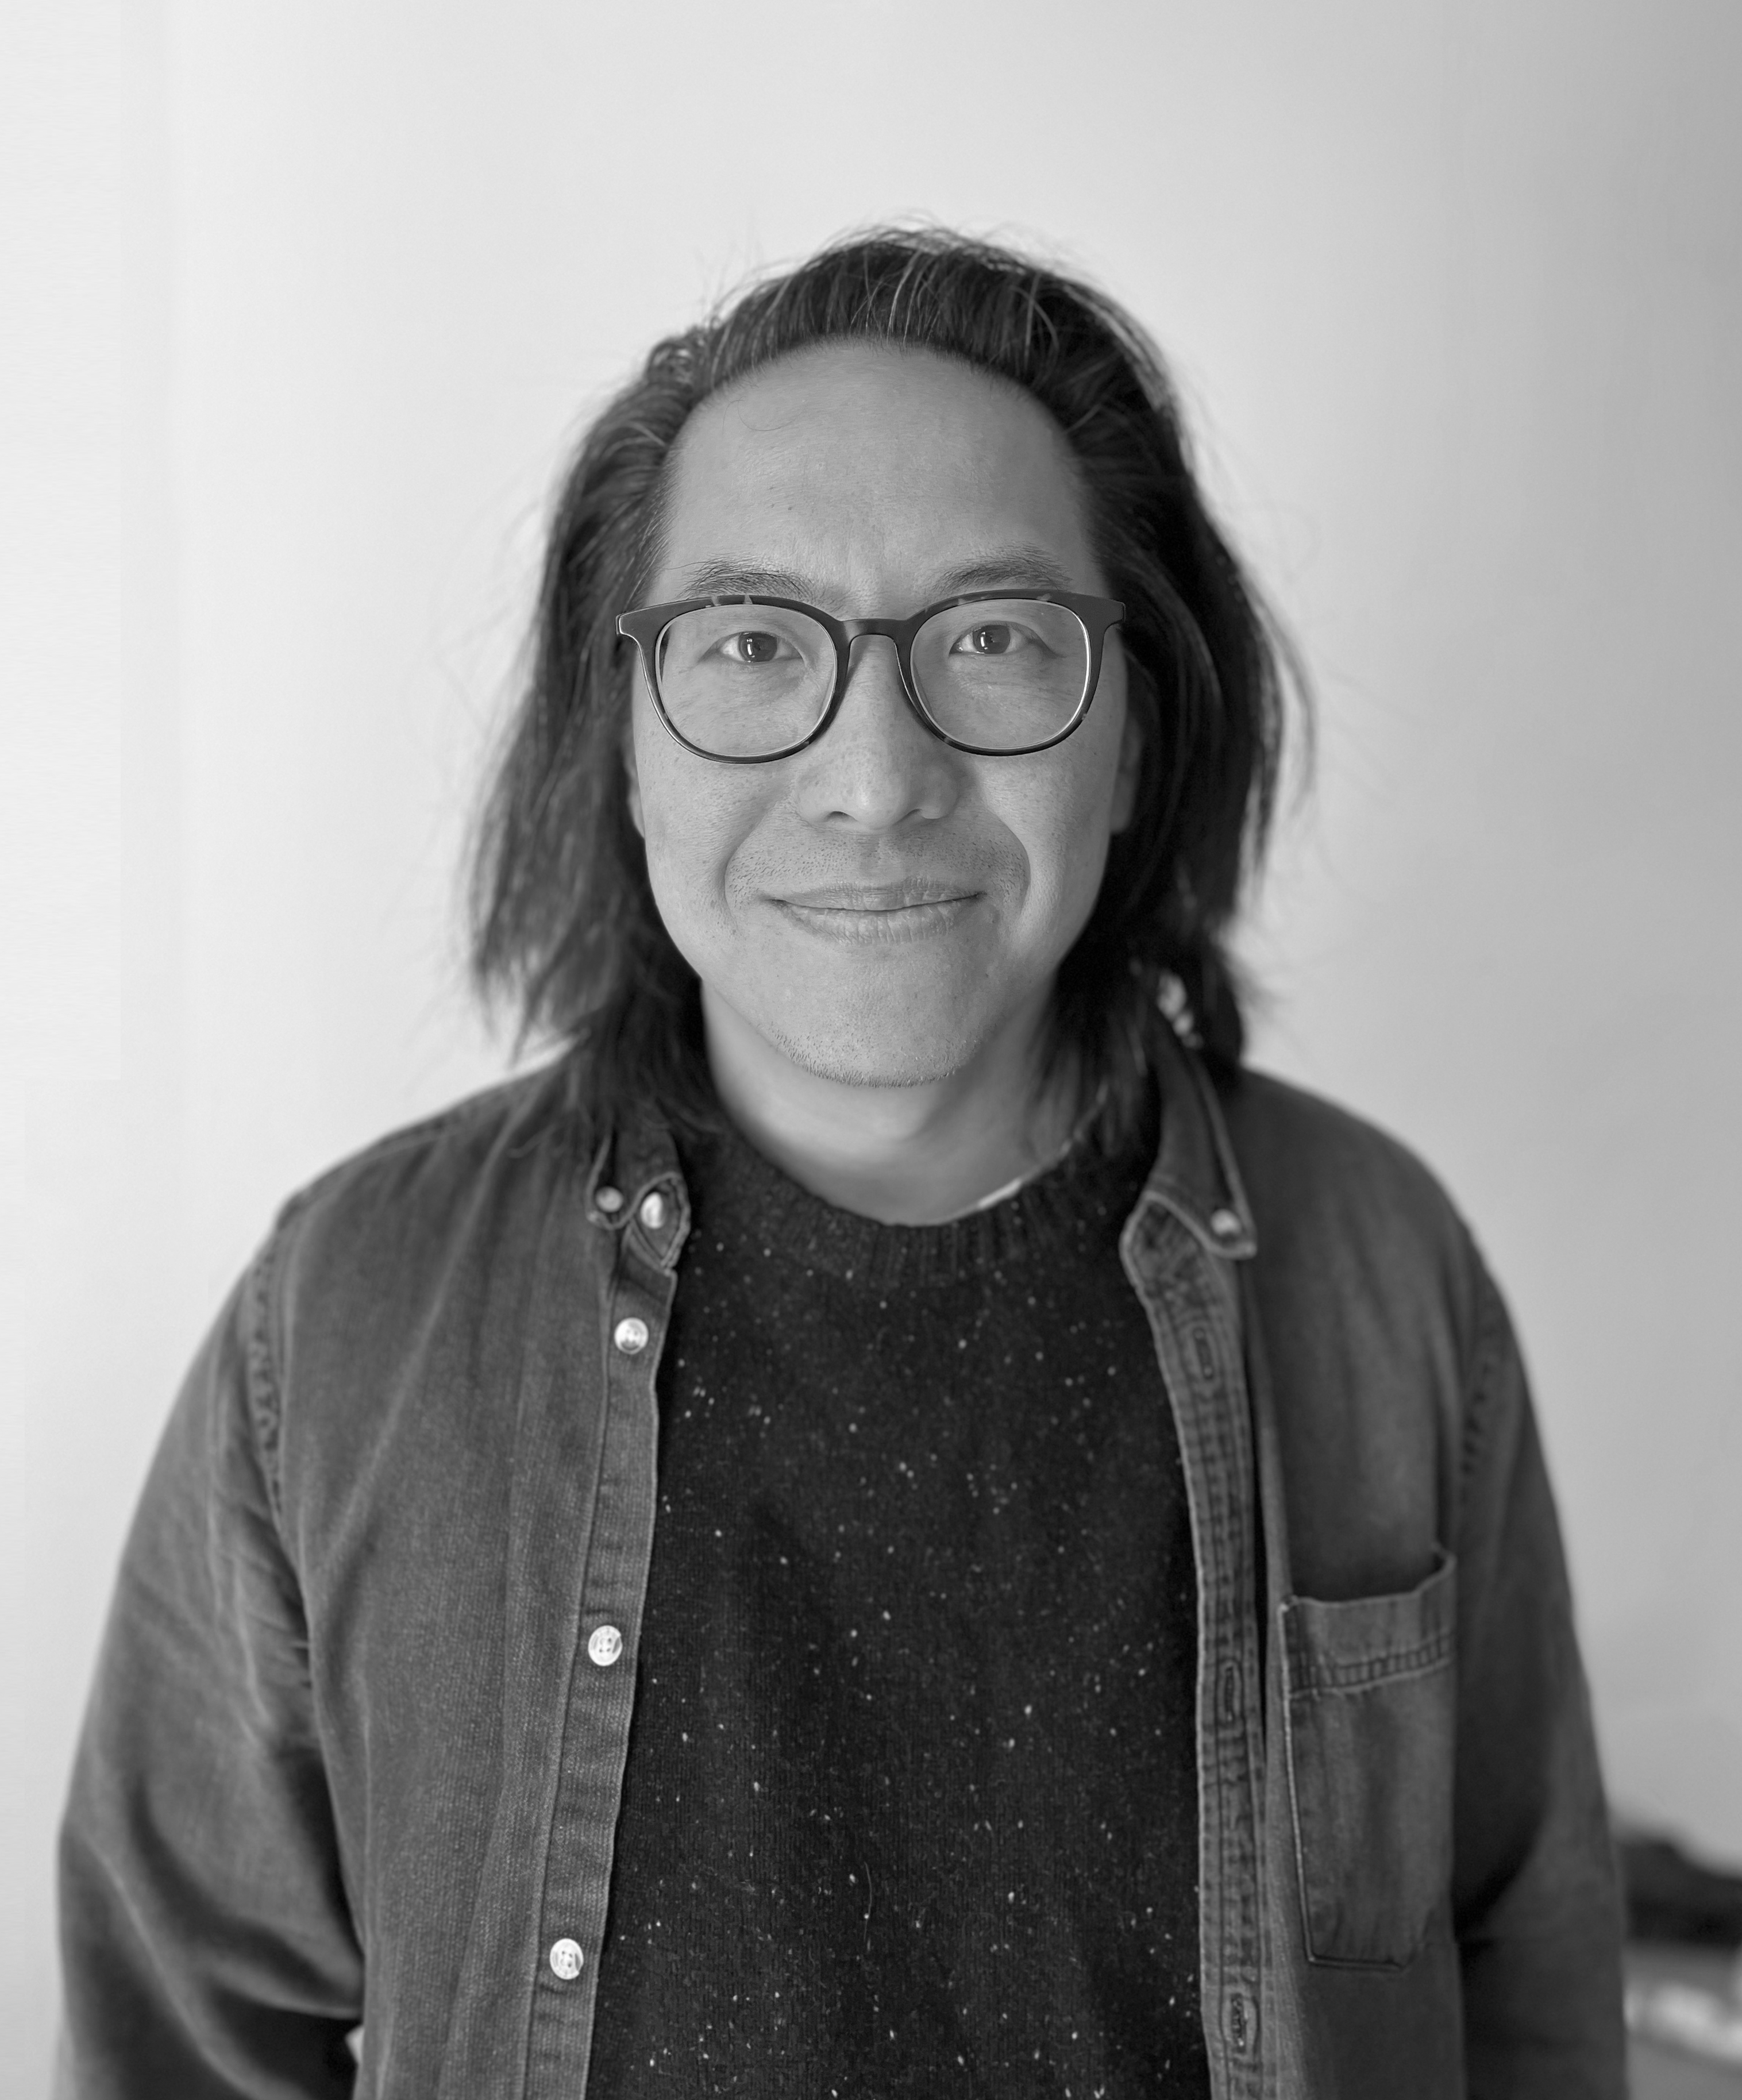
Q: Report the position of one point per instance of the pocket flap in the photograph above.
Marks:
(1341, 1648)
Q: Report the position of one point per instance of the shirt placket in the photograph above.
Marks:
(1192, 1304)
(651, 1224)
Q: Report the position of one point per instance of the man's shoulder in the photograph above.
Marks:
(1318, 1174)
(510, 1119)
(474, 1169)
(1274, 1117)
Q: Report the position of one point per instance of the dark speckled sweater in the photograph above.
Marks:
(910, 1805)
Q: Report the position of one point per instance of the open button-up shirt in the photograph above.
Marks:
(356, 1750)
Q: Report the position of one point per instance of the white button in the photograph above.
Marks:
(605, 1645)
(566, 1958)
(653, 1212)
(1225, 1225)
(631, 1336)
(609, 1199)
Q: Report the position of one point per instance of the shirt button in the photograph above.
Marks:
(1225, 1225)
(631, 1336)
(566, 1958)
(1241, 2021)
(653, 1212)
(605, 1645)
(609, 1199)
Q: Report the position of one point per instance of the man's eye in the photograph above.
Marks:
(996, 639)
(751, 647)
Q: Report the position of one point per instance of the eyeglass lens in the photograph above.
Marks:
(744, 681)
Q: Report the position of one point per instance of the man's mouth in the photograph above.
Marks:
(879, 911)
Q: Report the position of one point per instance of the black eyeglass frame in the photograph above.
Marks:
(647, 625)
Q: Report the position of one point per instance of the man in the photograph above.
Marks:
(894, 1521)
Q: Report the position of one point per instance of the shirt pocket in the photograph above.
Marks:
(1370, 1698)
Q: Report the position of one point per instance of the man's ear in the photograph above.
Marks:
(632, 778)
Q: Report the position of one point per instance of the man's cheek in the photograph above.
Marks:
(689, 866)
(666, 873)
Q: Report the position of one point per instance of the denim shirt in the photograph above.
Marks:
(356, 1746)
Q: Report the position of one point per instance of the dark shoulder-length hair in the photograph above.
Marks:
(564, 925)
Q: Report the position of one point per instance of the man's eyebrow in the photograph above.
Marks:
(1018, 567)
(1023, 568)
(736, 580)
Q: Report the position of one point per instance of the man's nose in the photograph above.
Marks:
(877, 765)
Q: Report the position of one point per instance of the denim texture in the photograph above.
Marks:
(348, 1759)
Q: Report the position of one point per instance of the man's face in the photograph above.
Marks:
(880, 910)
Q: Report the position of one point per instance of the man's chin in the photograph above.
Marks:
(849, 1061)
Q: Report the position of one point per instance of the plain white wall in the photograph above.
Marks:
(311, 298)
(93, 1215)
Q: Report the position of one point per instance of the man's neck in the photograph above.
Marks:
(909, 1155)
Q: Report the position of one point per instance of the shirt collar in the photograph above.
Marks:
(635, 1179)
(1195, 1175)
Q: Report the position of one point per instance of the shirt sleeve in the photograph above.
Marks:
(207, 1943)
(1535, 1890)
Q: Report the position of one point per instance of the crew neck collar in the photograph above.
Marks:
(739, 1194)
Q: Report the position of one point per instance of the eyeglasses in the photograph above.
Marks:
(997, 673)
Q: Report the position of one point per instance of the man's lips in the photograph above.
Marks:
(877, 914)
(859, 897)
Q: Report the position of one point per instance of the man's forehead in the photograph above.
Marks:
(835, 471)
(865, 410)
